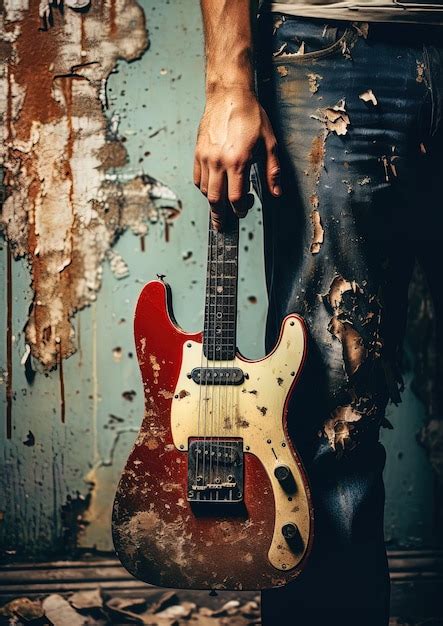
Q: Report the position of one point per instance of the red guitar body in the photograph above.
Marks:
(158, 534)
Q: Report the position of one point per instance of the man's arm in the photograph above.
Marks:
(233, 124)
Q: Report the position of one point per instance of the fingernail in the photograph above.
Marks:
(276, 190)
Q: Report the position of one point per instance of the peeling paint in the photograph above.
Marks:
(313, 80)
(318, 232)
(335, 118)
(420, 72)
(369, 96)
(339, 427)
(63, 211)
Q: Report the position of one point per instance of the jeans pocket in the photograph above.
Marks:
(300, 40)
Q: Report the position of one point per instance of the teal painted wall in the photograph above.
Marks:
(56, 494)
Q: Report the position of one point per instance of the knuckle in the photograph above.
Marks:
(215, 161)
(235, 196)
(213, 197)
(240, 160)
(274, 171)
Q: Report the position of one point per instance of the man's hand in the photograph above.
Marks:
(234, 127)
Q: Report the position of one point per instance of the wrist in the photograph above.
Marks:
(221, 87)
(234, 74)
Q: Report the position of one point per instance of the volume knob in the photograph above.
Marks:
(292, 535)
(284, 476)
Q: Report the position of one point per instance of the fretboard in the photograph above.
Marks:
(219, 335)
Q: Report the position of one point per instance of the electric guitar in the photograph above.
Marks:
(213, 495)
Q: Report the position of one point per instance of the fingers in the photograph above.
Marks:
(197, 171)
(217, 196)
(238, 184)
(273, 169)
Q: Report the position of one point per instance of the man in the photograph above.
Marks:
(344, 121)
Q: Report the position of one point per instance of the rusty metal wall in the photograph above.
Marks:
(100, 105)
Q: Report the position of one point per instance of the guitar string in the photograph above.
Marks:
(205, 324)
(214, 362)
(222, 328)
(208, 349)
(234, 313)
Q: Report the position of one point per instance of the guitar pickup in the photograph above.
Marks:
(217, 375)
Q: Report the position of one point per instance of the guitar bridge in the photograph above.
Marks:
(215, 470)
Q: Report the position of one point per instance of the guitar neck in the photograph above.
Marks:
(219, 335)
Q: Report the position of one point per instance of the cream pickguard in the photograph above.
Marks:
(252, 411)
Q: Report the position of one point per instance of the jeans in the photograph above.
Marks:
(357, 112)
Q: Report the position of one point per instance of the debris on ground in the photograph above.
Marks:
(97, 607)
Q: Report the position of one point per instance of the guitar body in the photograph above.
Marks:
(161, 534)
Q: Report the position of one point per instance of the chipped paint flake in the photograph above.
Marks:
(339, 427)
(313, 81)
(317, 232)
(335, 118)
(420, 72)
(369, 96)
(282, 70)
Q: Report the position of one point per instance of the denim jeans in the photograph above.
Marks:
(357, 112)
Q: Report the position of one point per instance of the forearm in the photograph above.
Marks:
(228, 45)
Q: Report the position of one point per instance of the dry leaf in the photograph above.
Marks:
(121, 606)
(24, 608)
(60, 613)
(178, 610)
(230, 608)
(250, 609)
(167, 598)
(149, 619)
(87, 599)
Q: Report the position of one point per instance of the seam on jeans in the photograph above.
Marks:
(435, 103)
(348, 37)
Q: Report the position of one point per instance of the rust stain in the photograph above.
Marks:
(62, 384)
(112, 18)
(317, 154)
